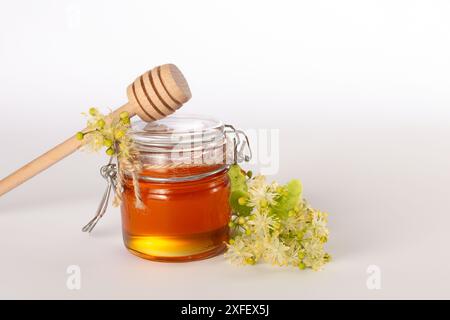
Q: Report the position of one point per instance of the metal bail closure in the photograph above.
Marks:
(241, 147)
(109, 173)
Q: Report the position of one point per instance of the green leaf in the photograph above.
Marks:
(237, 178)
(241, 210)
(289, 200)
(239, 189)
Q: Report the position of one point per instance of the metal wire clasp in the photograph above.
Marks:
(241, 147)
(109, 173)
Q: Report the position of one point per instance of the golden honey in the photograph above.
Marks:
(180, 221)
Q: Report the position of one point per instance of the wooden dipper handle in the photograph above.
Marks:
(152, 96)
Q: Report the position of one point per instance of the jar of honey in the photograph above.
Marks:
(184, 188)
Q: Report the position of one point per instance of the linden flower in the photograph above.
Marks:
(293, 254)
(238, 252)
(276, 252)
(257, 182)
(319, 221)
(262, 222)
(313, 248)
(315, 257)
(260, 193)
(104, 131)
(314, 264)
(292, 223)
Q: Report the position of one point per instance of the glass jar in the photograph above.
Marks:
(184, 187)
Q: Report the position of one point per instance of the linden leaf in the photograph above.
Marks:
(237, 178)
(241, 210)
(289, 200)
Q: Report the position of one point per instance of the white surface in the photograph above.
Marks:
(359, 91)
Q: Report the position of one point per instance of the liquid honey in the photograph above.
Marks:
(181, 221)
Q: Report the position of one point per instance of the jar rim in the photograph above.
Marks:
(177, 129)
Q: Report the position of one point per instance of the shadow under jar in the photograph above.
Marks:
(184, 187)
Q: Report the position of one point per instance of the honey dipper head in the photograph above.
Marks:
(158, 92)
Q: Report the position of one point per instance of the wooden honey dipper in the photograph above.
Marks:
(152, 96)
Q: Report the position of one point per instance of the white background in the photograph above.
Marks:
(358, 89)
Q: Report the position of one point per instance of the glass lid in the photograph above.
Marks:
(176, 129)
